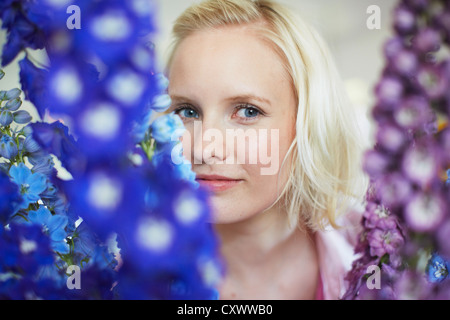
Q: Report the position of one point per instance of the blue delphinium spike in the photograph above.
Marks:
(437, 269)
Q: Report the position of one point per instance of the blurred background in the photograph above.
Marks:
(357, 49)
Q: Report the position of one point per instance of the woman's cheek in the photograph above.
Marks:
(265, 152)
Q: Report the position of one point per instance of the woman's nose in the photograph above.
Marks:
(209, 143)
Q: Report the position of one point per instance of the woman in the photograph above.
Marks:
(271, 134)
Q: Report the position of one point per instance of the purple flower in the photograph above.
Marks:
(373, 214)
(425, 211)
(417, 5)
(389, 91)
(442, 238)
(410, 155)
(391, 137)
(405, 62)
(383, 241)
(442, 21)
(422, 162)
(432, 80)
(427, 40)
(392, 47)
(375, 163)
(411, 285)
(393, 190)
(404, 20)
(444, 143)
(413, 112)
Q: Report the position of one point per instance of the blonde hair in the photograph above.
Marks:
(326, 176)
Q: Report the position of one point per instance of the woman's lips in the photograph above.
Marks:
(217, 183)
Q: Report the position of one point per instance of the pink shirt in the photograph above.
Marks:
(335, 250)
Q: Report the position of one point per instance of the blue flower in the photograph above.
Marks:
(140, 128)
(84, 240)
(25, 252)
(24, 249)
(130, 23)
(12, 94)
(13, 104)
(22, 32)
(447, 183)
(9, 197)
(8, 147)
(106, 196)
(161, 102)
(54, 226)
(33, 83)
(21, 116)
(167, 128)
(31, 185)
(57, 205)
(161, 82)
(54, 138)
(437, 269)
(31, 145)
(6, 118)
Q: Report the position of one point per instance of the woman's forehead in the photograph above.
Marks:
(226, 57)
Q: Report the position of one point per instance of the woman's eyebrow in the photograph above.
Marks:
(239, 98)
(249, 97)
(178, 98)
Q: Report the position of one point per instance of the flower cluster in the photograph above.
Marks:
(408, 163)
(131, 219)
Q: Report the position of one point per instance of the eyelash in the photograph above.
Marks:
(237, 108)
(184, 107)
(249, 107)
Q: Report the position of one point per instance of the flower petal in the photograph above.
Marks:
(19, 173)
(56, 223)
(37, 182)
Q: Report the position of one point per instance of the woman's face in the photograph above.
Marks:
(235, 98)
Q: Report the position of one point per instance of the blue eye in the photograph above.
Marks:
(186, 112)
(248, 112)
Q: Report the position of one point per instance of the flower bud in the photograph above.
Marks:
(13, 104)
(6, 118)
(22, 117)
